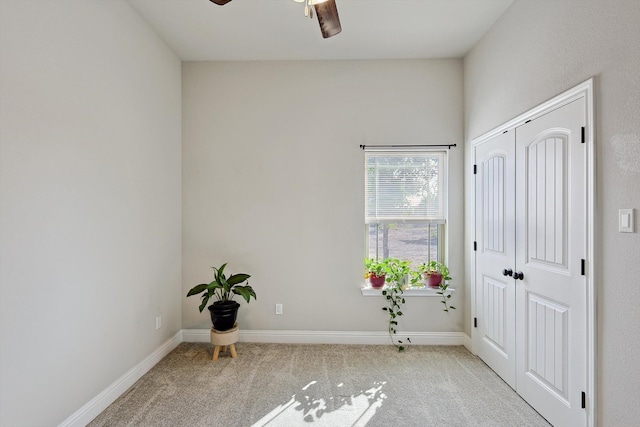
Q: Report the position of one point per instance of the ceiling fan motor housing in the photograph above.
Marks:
(327, 13)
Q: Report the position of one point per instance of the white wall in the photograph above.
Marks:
(535, 51)
(273, 182)
(90, 202)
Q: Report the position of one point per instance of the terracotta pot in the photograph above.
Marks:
(377, 281)
(434, 279)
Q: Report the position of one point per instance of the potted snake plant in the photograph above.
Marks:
(224, 310)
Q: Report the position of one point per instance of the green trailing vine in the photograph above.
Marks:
(442, 290)
(394, 298)
(397, 273)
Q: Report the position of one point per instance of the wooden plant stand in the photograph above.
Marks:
(224, 339)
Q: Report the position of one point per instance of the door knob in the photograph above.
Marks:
(507, 272)
(518, 275)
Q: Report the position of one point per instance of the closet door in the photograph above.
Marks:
(494, 338)
(550, 241)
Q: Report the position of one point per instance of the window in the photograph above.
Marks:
(405, 204)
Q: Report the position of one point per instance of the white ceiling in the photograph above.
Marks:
(198, 30)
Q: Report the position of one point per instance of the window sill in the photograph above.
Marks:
(368, 291)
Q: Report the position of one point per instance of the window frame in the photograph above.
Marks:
(441, 230)
(442, 225)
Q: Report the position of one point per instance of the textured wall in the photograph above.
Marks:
(535, 51)
(273, 182)
(90, 202)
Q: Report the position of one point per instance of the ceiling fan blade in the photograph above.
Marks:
(328, 18)
(220, 2)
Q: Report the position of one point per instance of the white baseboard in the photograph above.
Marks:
(95, 406)
(333, 337)
(467, 343)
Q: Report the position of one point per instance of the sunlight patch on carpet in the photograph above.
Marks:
(308, 406)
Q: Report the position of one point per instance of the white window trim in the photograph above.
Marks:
(442, 242)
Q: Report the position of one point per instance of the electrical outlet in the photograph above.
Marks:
(158, 322)
(278, 308)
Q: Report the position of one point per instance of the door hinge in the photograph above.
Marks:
(475, 246)
(582, 138)
(584, 400)
(583, 265)
(475, 169)
(475, 322)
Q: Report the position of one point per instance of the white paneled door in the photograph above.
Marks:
(495, 255)
(551, 237)
(531, 291)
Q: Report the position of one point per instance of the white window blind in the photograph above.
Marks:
(405, 185)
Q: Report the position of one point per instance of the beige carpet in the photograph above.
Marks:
(320, 385)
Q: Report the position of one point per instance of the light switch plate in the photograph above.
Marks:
(626, 220)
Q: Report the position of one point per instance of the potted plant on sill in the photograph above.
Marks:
(398, 271)
(436, 275)
(376, 272)
(224, 310)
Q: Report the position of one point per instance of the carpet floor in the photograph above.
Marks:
(320, 385)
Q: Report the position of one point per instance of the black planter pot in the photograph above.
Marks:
(223, 314)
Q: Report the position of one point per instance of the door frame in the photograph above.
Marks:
(583, 90)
